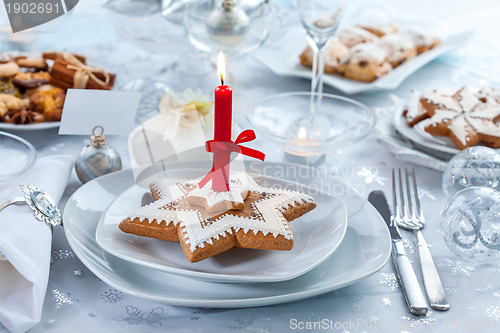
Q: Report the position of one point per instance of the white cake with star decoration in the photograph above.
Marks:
(206, 223)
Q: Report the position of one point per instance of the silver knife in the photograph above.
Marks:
(409, 283)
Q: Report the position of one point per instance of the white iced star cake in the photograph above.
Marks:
(207, 223)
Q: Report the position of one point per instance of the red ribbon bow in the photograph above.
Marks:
(227, 148)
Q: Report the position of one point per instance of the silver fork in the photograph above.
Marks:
(413, 219)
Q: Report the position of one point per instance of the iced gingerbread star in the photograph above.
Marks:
(464, 117)
(207, 223)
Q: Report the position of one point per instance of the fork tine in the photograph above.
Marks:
(408, 194)
(417, 200)
(401, 196)
(394, 200)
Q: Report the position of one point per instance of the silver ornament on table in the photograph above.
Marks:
(228, 25)
(98, 158)
(471, 224)
(475, 166)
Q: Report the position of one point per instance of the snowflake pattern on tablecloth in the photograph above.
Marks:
(63, 255)
(61, 298)
(426, 194)
(370, 176)
(112, 296)
(390, 280)
(456, 267)
(242, 323)
(410, 246)
(358, 301)
(420, 321)
(386, 301)
(152, 318)
(486, 289)
(493, 311)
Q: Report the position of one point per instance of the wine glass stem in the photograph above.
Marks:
(317, 81)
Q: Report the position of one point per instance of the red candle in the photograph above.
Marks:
(223, 117)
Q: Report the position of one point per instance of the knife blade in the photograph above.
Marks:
(409, 283)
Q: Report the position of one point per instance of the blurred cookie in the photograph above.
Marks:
(356, 35)
(33, 63)
(399, 48)
(9, 102)
(31, 80)
(366, 62)
(8, 87)
(8, 69)
(49, 102)
(378, 24)
(423, 38)
(335, 53)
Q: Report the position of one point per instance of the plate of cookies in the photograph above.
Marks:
(274, 232)
(364, 249)
(33, 87)
(450, 121)
(378, 53)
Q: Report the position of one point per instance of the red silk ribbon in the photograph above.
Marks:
(227, 148)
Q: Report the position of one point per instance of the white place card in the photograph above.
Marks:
(85, 108)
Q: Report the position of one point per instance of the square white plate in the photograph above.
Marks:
(285, 62)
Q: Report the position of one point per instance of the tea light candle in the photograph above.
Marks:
(301, 150)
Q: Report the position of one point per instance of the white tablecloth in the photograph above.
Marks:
(78, 301)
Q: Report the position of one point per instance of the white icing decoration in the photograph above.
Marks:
(468, 100)
(447, 102)
(466, 113)
(414, 108)
(369, 53)
(196, 235)
(356, 35)
(396, 46)
(235, 194)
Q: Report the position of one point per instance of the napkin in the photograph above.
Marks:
(165, 135)
(25, 247)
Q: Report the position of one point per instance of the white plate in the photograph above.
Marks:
(30, 127)
(285, 62)
(365, 249)
(316, 236)
(422, 138)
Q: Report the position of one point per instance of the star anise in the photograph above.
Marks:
(23, 116)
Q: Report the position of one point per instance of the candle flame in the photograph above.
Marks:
(221, 67)
(302, 133)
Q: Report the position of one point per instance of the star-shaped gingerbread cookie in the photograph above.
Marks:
(464, 117)
(207, 223)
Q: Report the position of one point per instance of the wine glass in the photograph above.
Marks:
(320, 19)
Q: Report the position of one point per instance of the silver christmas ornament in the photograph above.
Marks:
(475, 166)
(471, 224)
(97, 159)
(228, 25)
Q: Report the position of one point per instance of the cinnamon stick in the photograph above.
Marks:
(62, 77)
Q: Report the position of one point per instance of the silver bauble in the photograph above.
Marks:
(228, 25)
(97, 159)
